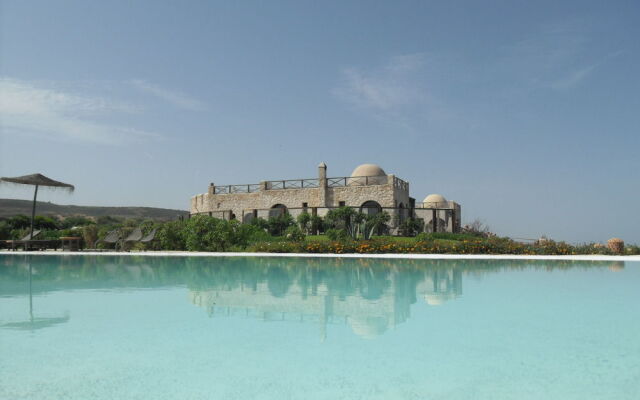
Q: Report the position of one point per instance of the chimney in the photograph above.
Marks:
(322, 171)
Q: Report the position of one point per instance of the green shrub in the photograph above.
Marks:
(317, 224)
(294, 234)
(343, 218)
(204, 233)
(260, 223)
(278, 225)
(447, 236)
(411, 226)
(337, 234)
(171, 236)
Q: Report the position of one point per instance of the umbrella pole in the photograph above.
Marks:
(30, 293)
(33, 212)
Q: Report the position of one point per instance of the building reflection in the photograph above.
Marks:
(370, 296)
(383, 301)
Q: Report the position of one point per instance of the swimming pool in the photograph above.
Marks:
(131, 327)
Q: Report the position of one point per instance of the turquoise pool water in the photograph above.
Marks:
(88, 327)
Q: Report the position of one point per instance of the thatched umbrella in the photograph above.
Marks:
(37, 180)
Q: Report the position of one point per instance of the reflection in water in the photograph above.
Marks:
(33, 323)
(371, 296)
(382, 302)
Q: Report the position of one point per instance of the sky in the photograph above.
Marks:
(526, 113)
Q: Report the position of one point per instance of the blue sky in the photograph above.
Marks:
(524, 112)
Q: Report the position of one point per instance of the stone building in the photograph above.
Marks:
(369, 189)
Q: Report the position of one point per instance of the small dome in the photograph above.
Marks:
(433, 299)
(368, 170)
(368, 327)
(438, 299)
(435, 200)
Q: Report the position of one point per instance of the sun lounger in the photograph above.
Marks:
(113, 237)
(150, 236)
(36, 233)
(134, 236)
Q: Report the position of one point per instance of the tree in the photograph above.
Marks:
(304, 221)
(75, 220)
(19, 222)
(342, 218)
(90, 235)
(108, 220)
(5, 230)
(477, 227)
(374, 223)
(48, 223)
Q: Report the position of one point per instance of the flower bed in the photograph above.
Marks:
(390, 246)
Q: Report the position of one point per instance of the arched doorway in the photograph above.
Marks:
(278, 210)
(441, 225)
(402, 213)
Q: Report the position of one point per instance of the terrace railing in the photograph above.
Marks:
(231, 189)
(292, 184)
(356, 181)
(341, 181)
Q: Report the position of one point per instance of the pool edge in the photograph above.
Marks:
(328, 255)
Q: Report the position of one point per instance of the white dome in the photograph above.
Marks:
(368, 170)
(435, 198)
(435, 201)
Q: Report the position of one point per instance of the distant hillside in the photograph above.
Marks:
(11, 207)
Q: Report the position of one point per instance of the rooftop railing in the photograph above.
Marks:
(341, 181)
(231, 189)
(292, 184)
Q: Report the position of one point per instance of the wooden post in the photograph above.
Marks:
(33, 212)
(453, 221)
(434, 220)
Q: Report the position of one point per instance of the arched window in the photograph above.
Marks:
(370, 207)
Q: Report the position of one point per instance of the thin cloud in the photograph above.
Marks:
(555, 56)
(177, 99)
(384, 89)
(575, 77)
(29, 108)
